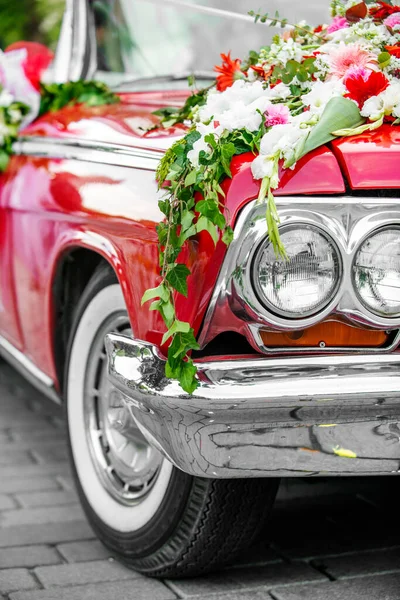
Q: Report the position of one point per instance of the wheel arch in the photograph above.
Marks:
(73, 267)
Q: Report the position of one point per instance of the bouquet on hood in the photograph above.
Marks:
(308, 87)
(24, 95)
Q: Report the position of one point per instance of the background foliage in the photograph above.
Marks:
(31, 20)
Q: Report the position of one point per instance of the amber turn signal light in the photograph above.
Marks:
(330, 334)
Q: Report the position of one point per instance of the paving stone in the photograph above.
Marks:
(6, 502)
(28, 556)
(140, 589)
(28, 419)
(259, 554)
(246, 578)
(47, 533)
(35, 470)
(201, 586)
(365, 563)
(51, 514)
(51, 454)
(83, 551)
(41, 444)
(12, 485)
(242, 595)
(66, 482)
(378, 587)
(56, 498)
(5, 438)
(84, 572)
(15, 457)
(16, 579)
(48, 434)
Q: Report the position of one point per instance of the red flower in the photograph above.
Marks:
(394, 50)
(384, 11)
(228, 72)
(38, 59)
(361, 89)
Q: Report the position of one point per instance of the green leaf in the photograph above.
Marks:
(187, 379)
(187, 219)
(190, 178)
(4, 160)
(204, 224)
(177, 277)
(158, 292)
(227, 152)
(361, 129)
(176, 327)
(167, 311)
(339, 113)
(188, 233)
(384, 59)
(228, 235)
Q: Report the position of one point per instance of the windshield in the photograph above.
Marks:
(152, 38)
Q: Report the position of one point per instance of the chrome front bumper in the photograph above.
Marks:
(333, 415)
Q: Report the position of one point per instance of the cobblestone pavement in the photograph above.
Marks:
(329, 540)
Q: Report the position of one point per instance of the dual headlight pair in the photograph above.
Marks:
(307, 281)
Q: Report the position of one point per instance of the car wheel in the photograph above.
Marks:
(156, 518)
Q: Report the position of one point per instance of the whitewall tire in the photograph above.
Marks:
(154, 517)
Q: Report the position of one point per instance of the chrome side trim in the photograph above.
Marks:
(347, 220)
(29, 370)
(91, 151)
(266, 417)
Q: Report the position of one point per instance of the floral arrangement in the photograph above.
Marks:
(309, 86)
(24, 96)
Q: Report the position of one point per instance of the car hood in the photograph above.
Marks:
(367, 161)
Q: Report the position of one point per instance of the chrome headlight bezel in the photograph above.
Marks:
(255, 269)
(367, 307)
(348, 220)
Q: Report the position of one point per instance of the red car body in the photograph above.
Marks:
(54, 205)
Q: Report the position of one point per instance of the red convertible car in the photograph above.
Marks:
(176, 484)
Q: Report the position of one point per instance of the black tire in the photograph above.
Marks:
(198, 524)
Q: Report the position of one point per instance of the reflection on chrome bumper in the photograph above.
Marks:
(264, 417)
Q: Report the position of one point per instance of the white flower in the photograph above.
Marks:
(6, 98)
(321, 93)
(270, 141)
(247, 117)
(194, 154)
(241, 91)
(282, 140)
(279, 92)
(262, 166)
(387, 103)
(14, 80)
(283, 51)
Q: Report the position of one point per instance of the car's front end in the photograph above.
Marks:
(310, 383)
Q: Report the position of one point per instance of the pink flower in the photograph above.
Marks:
(337, 23)
(393, 20)
(277, 114)
(346, 57)
(356, 72)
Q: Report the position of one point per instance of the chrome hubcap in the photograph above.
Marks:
(126, 464)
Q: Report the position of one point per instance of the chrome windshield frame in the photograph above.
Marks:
(75, 56)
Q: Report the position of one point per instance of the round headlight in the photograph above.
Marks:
(376, 272)
(306, 282)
